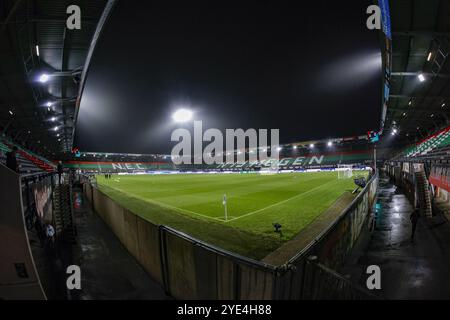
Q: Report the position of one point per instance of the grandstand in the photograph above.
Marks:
(305, 226)
(430, 145)
(29, 162)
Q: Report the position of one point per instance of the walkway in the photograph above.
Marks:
(409, 270)
(108, 271)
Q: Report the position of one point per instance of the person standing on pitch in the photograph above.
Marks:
(414, 219)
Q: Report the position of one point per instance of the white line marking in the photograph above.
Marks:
(165, 205)
(281, 202)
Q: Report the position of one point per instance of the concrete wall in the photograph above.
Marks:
(191, 269)
(18, 276)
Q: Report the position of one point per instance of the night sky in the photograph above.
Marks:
(312, 70)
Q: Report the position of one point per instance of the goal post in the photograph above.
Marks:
(345, 171)
(272, 167)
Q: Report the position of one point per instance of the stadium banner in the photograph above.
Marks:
(42, 192)
(307, 160)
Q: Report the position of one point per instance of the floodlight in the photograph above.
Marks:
(279, 148)
(311, 145)
(182, 115)
(421, 77)
(294, 147)
(44, 78)
(329, 143)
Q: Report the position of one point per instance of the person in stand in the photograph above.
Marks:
(11, 160)
(414, 219)
(60, 170)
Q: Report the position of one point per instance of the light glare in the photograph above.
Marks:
(182, 115)
(44, 78)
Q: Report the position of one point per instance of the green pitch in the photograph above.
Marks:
(193, 203)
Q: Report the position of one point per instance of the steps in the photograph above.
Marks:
(423, 194)
(36, 161)
(62, 205)
(41, 164)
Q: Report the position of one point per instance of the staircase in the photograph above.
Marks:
(423, 193)
(62, 205)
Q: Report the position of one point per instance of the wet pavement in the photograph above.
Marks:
(409, 270)
(108, 271)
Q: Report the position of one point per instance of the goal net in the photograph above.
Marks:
(344, 171)
(272, 168)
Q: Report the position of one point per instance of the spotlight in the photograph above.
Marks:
(311, 145)
(55, 129)
(44, 78)
(294, 147)
(53, 119)
(10, 112)
(421, 77)
(37, 50)
(329, 143)
(49, 104)
(429, 56)
(279, 148)
(182, 115)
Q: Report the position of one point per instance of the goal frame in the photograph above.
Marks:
(345, 171)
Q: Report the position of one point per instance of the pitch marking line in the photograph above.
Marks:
(281, 202)
(165, 205)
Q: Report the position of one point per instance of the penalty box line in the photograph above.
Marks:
(281, 202)
(185, 211)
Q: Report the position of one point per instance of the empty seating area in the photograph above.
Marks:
(29, 162)
(433, 144)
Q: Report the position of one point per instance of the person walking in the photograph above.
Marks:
(414, 219)
(60, 171)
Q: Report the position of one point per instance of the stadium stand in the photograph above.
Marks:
(29, 162)
(432, 144)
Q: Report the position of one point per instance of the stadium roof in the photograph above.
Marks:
(420, 45)
(34, 40)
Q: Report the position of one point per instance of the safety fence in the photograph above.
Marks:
(188, 268)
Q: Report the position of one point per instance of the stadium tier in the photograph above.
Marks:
(429, 144)
(316, 160)
(29, 162)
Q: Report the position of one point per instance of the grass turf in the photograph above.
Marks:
(192, 203)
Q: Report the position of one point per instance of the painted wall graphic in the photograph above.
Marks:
(42, 192)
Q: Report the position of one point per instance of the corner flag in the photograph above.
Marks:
(225, 206)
